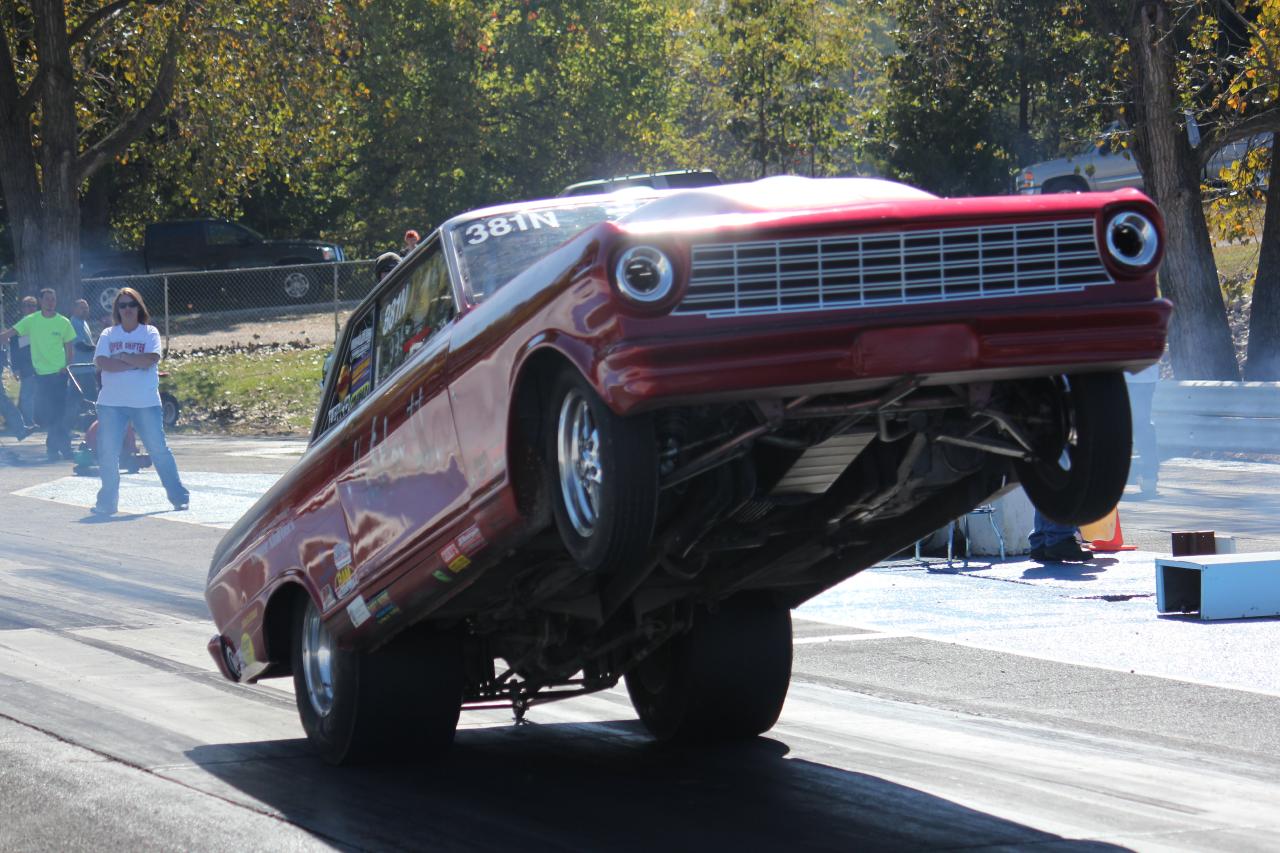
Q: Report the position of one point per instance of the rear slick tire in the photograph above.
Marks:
(1096, 435)
(726, 678)
(398, 703)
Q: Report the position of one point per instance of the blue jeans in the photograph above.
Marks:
(51, 413)
(27, 398)
(148, 424)
(1045, 532)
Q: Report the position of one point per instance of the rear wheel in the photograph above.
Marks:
(401, 701)
(1082, 458)
(169, 409)
(603, 474)
(297, 286)
(726, 678)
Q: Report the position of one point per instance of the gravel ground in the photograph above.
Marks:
(311, 325)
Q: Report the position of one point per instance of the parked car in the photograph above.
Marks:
(209, 244)
(1107, 164)
(673, 179)
(621, 436)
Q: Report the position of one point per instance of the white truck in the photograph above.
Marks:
(1108, 164)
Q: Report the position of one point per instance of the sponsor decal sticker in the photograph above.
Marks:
(471, 540)
(383, 607)
(326, 597)
(441, 576)
(452, 557)
(341, 556)
(358, 611)
(345, 582)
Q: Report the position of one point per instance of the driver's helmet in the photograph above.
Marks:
(385, 263)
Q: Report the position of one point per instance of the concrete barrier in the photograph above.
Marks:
(1226, 416)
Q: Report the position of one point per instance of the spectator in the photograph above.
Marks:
(385, 263)
(411, 239)
(1142, 389)
(1052, 542)
(83, 346)
(14, 423)
(50, 336)
(128, 353)
(20, 364)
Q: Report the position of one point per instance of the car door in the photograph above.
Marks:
(404, 480)
(324, 536)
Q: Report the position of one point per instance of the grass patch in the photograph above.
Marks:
(1236, 262)
(259, 390)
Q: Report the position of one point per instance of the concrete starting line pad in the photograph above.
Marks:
(217, 500)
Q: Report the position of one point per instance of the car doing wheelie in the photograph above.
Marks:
(618, 437)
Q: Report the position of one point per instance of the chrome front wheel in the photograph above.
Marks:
(317, 662)
(578, 460)
(602, 474)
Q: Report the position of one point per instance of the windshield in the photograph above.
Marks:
(495, 248)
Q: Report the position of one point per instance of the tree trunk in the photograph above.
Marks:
(57, 263)
(1200, 339)
(1264, 317)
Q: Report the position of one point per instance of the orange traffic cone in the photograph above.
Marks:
(1105, 535)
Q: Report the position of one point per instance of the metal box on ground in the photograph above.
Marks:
(1220, 586)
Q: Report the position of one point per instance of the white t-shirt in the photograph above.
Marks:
(138, 388)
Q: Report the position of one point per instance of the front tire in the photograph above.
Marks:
(402, 701)
(726, 678)
(603, 476)
(1082, 463)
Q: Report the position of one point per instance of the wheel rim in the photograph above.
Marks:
(107, 298)
(578, 457)
(296, 285)
(317, 662)
(170, 414)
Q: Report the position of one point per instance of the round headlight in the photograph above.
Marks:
(1132, 239)
(645, 274)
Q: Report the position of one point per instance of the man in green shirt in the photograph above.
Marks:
(51, 337)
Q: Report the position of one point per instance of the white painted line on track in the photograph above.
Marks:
(217, 499)
(847, 638)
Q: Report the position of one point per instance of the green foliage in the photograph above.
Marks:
(776, 78)
(980, 87)
(272, 389)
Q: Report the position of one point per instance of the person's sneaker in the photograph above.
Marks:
(180, 505)
(1066, 551)
(97, 510)
(22, 432)
(1037, 553)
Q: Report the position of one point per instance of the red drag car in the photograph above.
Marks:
(620, 436)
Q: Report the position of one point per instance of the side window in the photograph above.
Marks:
(409, 315)
(225, 234)
(351, 376)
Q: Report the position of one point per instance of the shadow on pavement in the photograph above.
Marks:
(604, 786)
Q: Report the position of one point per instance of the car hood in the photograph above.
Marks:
(783, 193)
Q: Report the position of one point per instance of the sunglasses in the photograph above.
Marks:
(127, 305)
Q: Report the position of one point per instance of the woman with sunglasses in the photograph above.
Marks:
(128, 353)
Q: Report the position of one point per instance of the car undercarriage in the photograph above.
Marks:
(759, 506)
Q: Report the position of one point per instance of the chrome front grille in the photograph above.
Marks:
(900, 268)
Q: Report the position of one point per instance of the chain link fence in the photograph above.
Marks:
(200, 311)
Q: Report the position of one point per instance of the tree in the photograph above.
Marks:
(774, 81)
(977, 88)
(82, 84)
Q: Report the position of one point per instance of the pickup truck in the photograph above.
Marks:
(209, 244)
(1106, 164)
